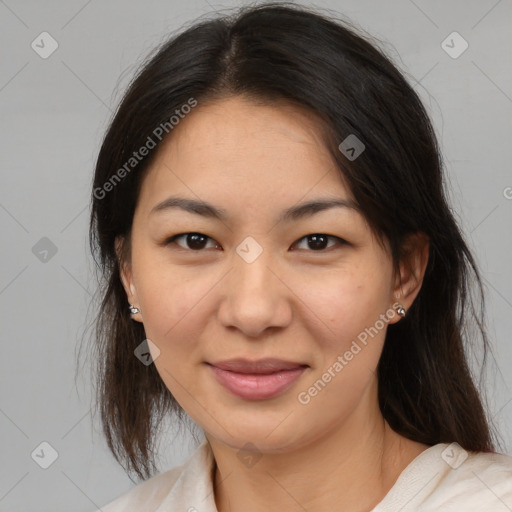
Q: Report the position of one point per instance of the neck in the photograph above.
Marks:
(352, 466)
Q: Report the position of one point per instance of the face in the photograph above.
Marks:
(315, 289)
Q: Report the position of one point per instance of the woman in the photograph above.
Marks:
(281, 265)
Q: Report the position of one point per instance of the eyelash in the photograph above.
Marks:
(172, 240)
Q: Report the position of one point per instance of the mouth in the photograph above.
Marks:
(257, 380)
(261, 366)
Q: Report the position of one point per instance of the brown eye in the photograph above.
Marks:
(319, 242)
(193, 241)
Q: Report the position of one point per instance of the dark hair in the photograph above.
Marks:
(287, 53)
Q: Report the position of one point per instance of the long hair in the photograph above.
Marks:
(285, 52)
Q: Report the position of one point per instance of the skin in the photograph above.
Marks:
(294, 302)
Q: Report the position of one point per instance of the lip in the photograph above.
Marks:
(267, 365)
(257, 380)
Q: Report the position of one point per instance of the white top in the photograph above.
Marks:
(443, 478)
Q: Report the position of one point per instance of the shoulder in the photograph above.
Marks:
(447, 478)
(187, 484)
(483, 481)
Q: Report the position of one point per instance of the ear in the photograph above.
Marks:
(412, 270)
(126, 277)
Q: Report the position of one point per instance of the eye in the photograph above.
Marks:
(318, 241)
(196, 241)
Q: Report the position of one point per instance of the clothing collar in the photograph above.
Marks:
(193, 490)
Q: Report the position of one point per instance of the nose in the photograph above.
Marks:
(255, 297)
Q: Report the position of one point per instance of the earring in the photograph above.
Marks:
(133, 310)
(400, 310)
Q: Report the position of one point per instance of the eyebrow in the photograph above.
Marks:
(290, 214)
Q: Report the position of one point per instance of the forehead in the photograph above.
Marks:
(244, 118)
(235, 149)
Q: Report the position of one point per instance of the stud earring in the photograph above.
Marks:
(133, 309)
(400, 310)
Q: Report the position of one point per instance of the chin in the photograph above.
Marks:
(264, 437)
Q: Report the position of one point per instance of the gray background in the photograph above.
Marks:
(54, 112)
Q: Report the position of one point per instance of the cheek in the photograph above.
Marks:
(348, 341)
(173, 302)
(175, 315)
(346, 302)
